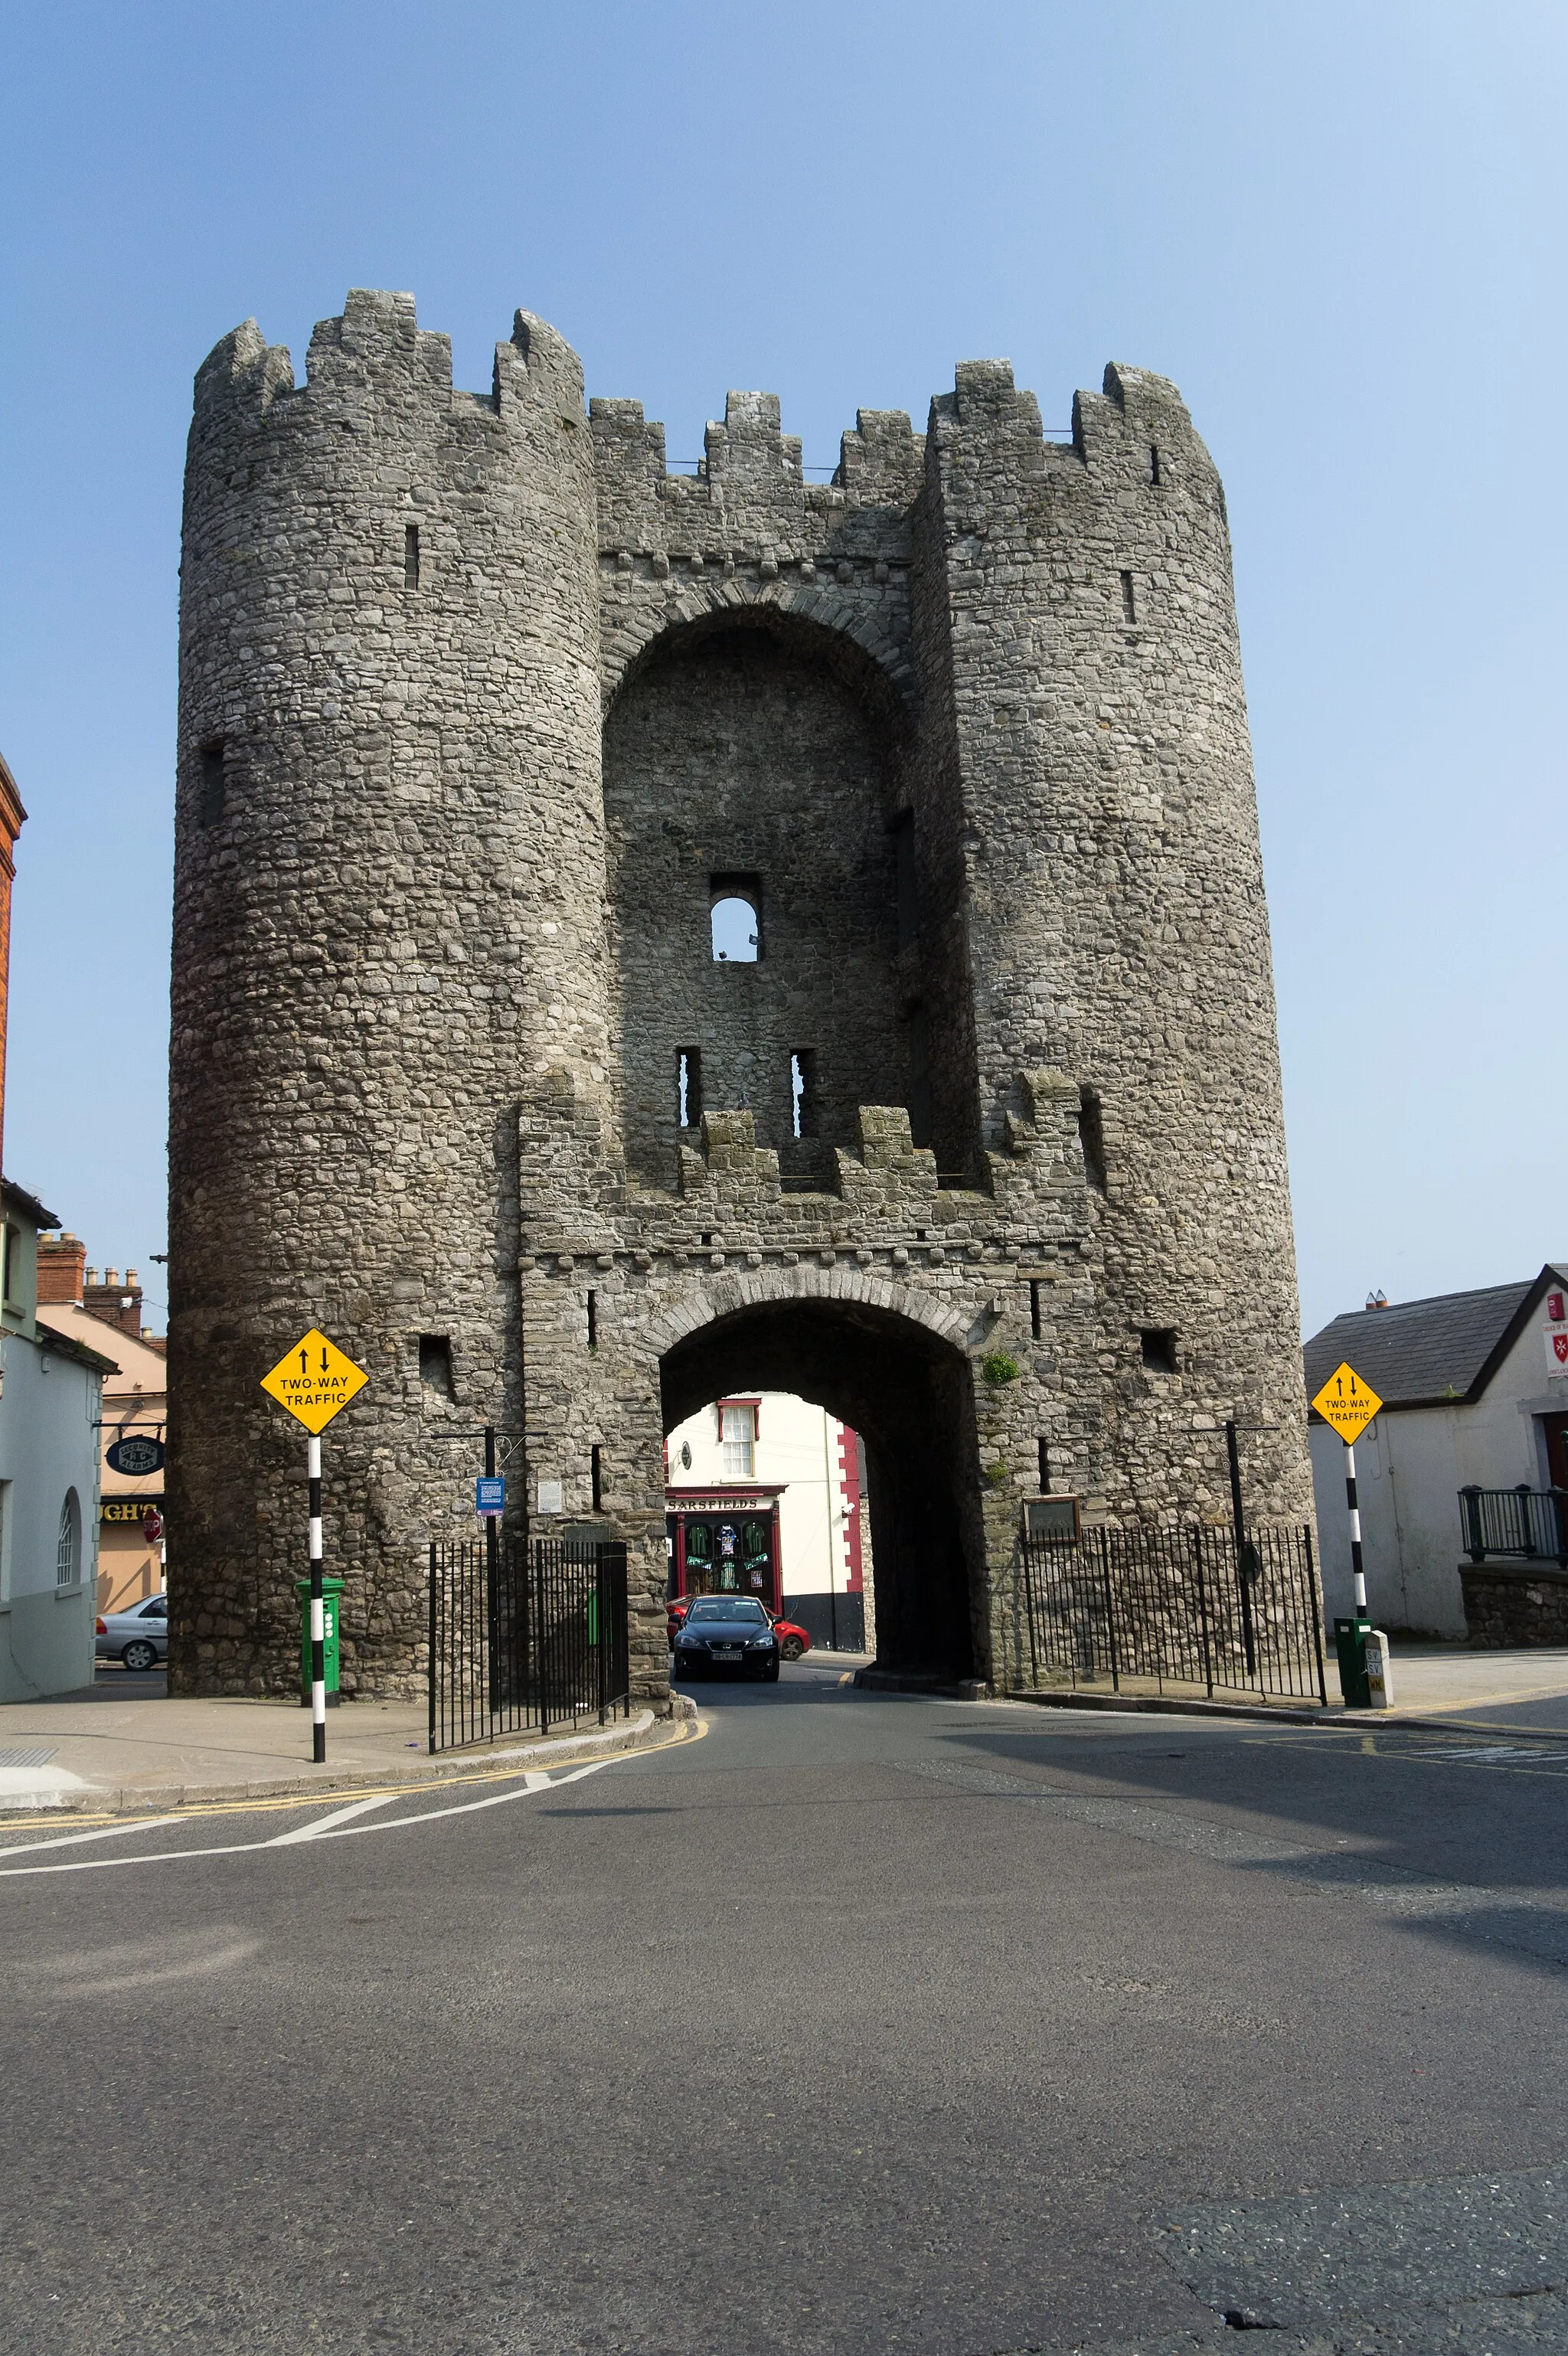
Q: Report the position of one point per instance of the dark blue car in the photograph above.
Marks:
(727, 1633)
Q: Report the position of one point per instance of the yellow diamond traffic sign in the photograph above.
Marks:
(313, 1379)
(1347, 1402)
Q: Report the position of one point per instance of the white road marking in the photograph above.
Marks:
(533, 1781)
(109, 1832)
(338, 1816)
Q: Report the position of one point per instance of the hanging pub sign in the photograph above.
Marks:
(134, 1455)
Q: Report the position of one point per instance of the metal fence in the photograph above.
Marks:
(525, 1635)
(1519, 1525)
(1186, 1610)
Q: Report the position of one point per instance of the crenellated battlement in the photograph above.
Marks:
(373, 370)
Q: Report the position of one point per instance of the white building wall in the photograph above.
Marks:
(48, 1445)
(798, 1444)
(1411, 1463)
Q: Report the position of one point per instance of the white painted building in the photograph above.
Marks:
(51, 1389)
(1475, 1392)
(766, 1440)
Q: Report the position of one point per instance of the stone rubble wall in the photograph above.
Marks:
(411, 1032)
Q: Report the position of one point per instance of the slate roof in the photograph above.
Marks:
(1417, 1352)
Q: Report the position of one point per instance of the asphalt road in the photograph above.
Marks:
(862, 2023)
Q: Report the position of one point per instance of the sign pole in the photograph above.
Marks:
(1358, 1570)
(317, 1608)
(1348, 1404)
(314, 1381)
(492, 1585)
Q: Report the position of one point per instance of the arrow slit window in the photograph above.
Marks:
(214, 786)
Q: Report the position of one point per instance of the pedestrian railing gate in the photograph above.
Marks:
(525, 1635)
(1189, 1610)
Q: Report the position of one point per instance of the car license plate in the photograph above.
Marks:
(726, 1652)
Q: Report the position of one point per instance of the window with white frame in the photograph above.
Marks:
(738, 1433)
(68, 1544)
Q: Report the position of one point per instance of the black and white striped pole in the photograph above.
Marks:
(1358, 1568)
(314, 1381)
(1348, 1404)
(317, 1608)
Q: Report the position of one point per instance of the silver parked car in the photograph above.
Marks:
(139, 1637)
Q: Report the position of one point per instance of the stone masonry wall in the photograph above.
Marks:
(742, 756)
(439, 927)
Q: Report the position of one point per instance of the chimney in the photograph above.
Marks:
(61, 1269)
(117, 1304)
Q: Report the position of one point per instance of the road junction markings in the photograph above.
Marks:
(342, 1822)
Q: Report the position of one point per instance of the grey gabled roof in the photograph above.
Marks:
(1416, 1353)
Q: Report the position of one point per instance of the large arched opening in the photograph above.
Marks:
(755, 792)
(907, 1391)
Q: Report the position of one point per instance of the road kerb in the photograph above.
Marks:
(1175, 1705)
(644, 1732)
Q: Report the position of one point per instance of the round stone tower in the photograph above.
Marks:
(389, 878)
(1085, 695)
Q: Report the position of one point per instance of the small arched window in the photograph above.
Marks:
(68, 1544)
(736, 917)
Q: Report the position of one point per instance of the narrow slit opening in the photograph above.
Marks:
(1034, 1307)
(1129, 599)
(410, 556)
(1092, 1137)
(802, 1092)
(689, 1087)
(214, 786)
(597, 1472)
(592, 1319)
(1044, 1468)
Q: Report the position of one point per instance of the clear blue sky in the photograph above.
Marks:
(1339, 227)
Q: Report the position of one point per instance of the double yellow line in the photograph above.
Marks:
(57, 1820)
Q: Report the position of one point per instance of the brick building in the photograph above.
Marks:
(102, 1310)
(644, 938)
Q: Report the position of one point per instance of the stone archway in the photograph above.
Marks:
(905, 1385)
(755, 754)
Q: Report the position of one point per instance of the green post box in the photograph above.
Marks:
(331, 1591)
(1351, 1644)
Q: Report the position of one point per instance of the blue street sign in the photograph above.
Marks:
(490, 1493)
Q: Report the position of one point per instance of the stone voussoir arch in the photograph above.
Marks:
(629, 646)
(720, 1296)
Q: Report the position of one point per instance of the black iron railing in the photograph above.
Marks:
(1185, 1609)
(1515, 1524)
(528, 1635)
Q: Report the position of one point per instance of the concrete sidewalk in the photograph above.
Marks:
(124, 1744)
(1524, 1692)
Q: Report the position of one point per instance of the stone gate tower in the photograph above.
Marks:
(483, 710)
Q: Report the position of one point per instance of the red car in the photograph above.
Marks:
(793, 1638)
